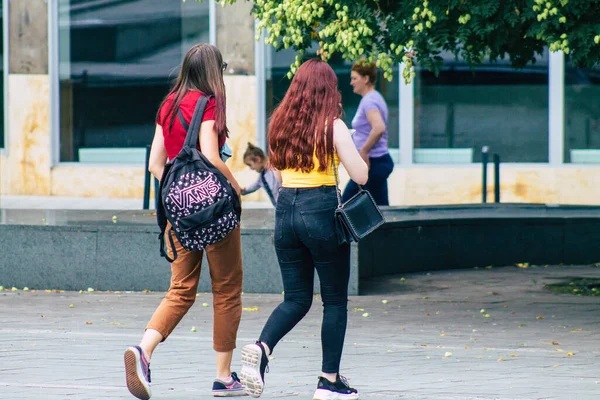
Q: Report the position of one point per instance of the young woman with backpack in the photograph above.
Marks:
(201, 75)
(307, 140)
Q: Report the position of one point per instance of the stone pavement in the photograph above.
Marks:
(429, 339)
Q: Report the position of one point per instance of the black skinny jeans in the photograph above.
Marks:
(305, 240)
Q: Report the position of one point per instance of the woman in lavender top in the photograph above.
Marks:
(371, 137)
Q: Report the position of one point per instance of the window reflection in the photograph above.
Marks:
(117, 61)
(582, 115)
(493, 105)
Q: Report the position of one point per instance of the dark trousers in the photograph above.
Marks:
(380, 170)
(305, 240)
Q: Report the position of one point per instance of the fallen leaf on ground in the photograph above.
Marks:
(89, 323)
(555, 365)
(555, 343)
(357, 309)
(204, 304)
(384, 301)
(193, 329)
(71, 305)
(447, 354)
(250, 308)
(570, 354)
(515, 355)
(366, 314)
(539, 317)
(442, 334)
(522, 265)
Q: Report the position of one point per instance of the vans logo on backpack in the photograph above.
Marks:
(194, 196)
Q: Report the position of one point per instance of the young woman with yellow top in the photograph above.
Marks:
(306, 138)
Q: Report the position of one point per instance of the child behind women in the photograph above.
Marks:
(256, 159)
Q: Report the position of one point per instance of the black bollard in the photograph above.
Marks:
(147, 180)
(496, 178)
(484, 162)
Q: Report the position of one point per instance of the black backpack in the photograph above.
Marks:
(195, 196)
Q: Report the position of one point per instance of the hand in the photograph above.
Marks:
(365, 156)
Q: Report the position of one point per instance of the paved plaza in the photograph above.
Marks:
(487, 333)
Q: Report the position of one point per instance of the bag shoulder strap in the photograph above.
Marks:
(337, 181)
(182, 120)
(191, 139)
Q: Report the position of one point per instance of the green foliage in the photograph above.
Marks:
(417, 31)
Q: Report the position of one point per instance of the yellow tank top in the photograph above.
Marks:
(297, 179)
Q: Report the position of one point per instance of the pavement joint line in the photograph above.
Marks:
(54, 386)
(209, 339)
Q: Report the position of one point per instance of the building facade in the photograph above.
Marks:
(82, 81)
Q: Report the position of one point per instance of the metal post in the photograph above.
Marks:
(496, 178)
(484, 162)
(156, 194)
(147, 180)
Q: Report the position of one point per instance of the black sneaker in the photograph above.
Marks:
(232, 388)
(254, 365)
(137, 373)
(340, 390)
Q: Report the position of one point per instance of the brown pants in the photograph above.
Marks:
(225, 264)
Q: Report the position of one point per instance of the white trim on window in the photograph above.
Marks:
(212, 22)
(406, 118)
(6, 66)
(556, 108)
(53, 71)
(261, 89)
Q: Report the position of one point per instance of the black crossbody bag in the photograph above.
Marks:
(358, 216)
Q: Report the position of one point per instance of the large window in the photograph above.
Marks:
(278, 64)
(117, 60)
(582, 115)
(494, 105)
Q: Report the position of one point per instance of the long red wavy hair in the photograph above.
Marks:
(302, 124)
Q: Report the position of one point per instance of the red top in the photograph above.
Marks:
(175, 137)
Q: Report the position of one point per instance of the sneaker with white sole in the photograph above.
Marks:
(254, 365)
(338, 390)
(137, 373)
(232, 388)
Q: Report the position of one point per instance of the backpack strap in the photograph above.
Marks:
(191, 139)
(163, 252)
(182, 120)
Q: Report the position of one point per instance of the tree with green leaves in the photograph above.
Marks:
(388, 32)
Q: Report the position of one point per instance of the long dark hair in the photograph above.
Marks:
(202, 70)
(302, 124)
